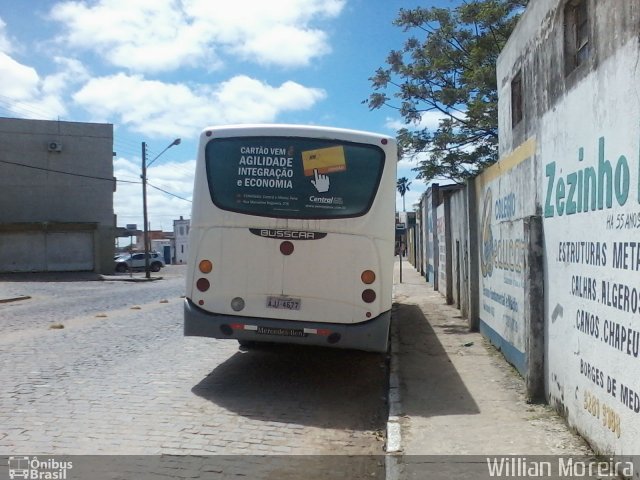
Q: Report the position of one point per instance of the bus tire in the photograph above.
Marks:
(248, 343)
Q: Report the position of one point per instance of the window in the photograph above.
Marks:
(516, 99)
(576, 34)
(293, 177)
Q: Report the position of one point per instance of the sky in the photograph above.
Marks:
(165, 69)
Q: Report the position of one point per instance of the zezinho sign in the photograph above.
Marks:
(590, 188)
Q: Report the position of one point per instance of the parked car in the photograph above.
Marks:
(136, 262)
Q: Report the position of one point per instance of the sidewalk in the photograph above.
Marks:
(452, 393)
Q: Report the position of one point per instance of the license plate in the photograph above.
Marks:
(281, 332)
(285, 303)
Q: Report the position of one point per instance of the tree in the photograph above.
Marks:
(450, 72)
(403, 187)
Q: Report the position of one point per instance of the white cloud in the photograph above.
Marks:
(17, 81)
(5, 43)
(163, 35)
(160, 109)
(29, 95)
(298, 44)
(430, 120)
(70, 72)
(173, 177)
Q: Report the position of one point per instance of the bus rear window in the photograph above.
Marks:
(293, 177)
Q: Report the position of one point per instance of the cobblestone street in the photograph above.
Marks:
(120, 378)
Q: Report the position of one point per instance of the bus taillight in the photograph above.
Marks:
(205, 266)
(203, 284)
(286, 248)
(368, 277)
(368, 295)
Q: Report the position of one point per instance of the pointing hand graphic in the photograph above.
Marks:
(321, 182)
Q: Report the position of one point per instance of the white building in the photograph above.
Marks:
(56, 196)
(181, 239)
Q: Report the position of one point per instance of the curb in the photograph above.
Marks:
(112, 278)
(14, 299)
(394, 435)
(393, 447)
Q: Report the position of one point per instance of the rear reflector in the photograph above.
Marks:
(237, 304)
(322, 332)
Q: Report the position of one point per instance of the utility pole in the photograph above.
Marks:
(147, 272)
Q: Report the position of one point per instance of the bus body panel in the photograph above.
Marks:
(323, 274)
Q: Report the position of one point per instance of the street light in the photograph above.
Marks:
(144, 200)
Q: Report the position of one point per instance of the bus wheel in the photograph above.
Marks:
(248, 343)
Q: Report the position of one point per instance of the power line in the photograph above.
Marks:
(131, 181)
(66, 173)
(12, 106)
(93, 177)
(169, 193)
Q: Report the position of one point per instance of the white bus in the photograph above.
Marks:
(292, 236)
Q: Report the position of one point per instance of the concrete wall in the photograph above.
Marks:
(436, 259)
(460, 286)
(554, 227)
(34, 198)
(505, 197)
(593, 252)
(430, 236)
(586, 125)
(441, 251)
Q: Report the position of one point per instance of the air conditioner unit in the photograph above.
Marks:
(55, 147)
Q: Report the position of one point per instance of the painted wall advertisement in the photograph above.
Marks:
(505, 196)
(591, 207)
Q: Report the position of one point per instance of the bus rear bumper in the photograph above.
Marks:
(372, 335)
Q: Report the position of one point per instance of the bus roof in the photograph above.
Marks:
(291, 129)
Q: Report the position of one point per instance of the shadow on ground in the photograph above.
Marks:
(426, 366)
(323, 387)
